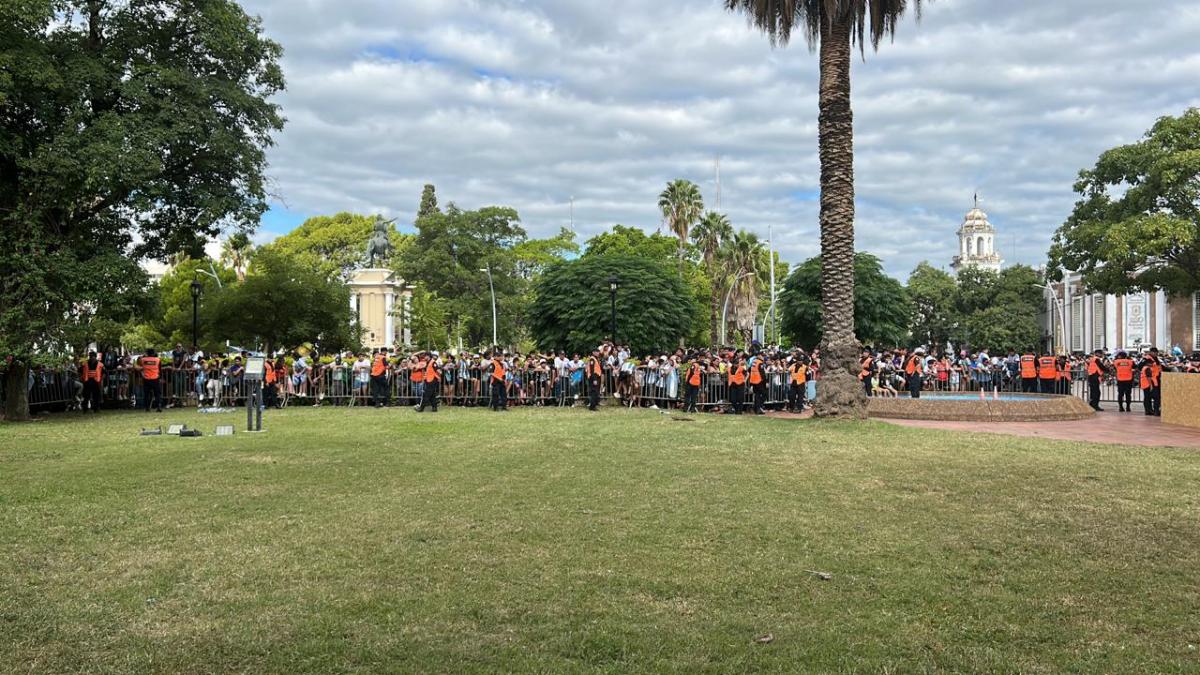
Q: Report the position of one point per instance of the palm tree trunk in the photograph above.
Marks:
(840, 393)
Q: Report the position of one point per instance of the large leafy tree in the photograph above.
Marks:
(1137, 224)
(998, 311)
(173, 318)
(336, 244)
(447, 255)
(713, 230)
(236, 251)
(127, 130)
(571, 309)
(681, 206)
(284, 302)
(834, 26)
(882, 307)
(932, 293)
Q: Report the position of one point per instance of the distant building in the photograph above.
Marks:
(1076, 320)
(976, 243)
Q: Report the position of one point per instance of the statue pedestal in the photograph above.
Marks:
(382, 303)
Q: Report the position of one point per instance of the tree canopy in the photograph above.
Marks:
(571, 305)
(881, 306)
(1137, 225)
(127, 130)
(336, 245)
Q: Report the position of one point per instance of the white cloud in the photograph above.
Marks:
(527, 104)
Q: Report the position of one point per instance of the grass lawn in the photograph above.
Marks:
(563, 541)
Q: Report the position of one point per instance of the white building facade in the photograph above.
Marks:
(1078, 321)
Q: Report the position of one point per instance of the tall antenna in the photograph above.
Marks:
(771, 254)
(572, 213)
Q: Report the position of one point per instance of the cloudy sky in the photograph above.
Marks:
(528, 104)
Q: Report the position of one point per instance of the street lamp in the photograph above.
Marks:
(725, 308)
(613, 283)
(195, 313)
(1062, 315)
(495, 340)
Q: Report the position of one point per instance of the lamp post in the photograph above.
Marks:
(488, 269)
(195, 313)
(725, 307)
(613, 283)
(1062, 316)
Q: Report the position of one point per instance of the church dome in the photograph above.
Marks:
(976, 220)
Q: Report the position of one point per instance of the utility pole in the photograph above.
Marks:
(771, 253)
(717, 167)
(572, 213)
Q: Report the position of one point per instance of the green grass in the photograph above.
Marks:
(562, 541)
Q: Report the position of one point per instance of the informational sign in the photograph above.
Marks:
(1135, 319)
(255, 367)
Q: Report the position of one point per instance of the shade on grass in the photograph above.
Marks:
(562, 541)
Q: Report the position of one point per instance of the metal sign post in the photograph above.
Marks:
(253, 377)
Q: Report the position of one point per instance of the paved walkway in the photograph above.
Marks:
(1133, 428)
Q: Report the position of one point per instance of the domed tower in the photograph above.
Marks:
(976, 243)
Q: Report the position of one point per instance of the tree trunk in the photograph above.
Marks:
(839, 393)
(16, 392)
(714, 317)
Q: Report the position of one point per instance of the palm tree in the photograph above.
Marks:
(834, 25)
(681, 206)
(712, 231)
(746, 269)
(236, 252)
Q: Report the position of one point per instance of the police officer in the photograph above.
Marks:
(758, 384)
(797, 382)
(150, 367)
(379, 382)
(1151, 382)
(433, 382)
(737, 384)
(692, 380)
(1095, 368)
(914, 372)
(93, 374)
(1124, 367)
(1029, 375)
(595, 374)
(1047, 373)
(499, 399)
(866, 372)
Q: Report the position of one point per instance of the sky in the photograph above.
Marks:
(530, 104)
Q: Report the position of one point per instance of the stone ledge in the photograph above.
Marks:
(1035, 409)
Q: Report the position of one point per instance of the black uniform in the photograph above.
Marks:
(433, 386)
(594, 375)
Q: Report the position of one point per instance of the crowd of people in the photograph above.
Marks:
(719, 379)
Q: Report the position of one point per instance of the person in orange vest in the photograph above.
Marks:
(1124, 367)
(1047, 373)
(914, 371)
(797, 382)
(92, 373)
(1095, 369)
(692, 378)
(866, 372)
(1064, 375)
(499, 399)
(417, 376)
(758, 384)
(379, 379)
(432, 377)
(1151, 382)
(150, 366)
(1029, 378)
(595, 375)
(737, 384)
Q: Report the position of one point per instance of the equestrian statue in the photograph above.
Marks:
(379, 246)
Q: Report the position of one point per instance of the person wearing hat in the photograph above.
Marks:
(1151, 381)
(914, 371)
(1124, 367)
(1095, 368)
(433, 382)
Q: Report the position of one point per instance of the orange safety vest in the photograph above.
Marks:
(799, 373)
(737, 375)
(378, 366)
(911, 366)
(94, 375)
(1124, 370)
(865, 366)
(497, 370)
(1064, 371)
(593, 368)
(1150, 373)
(693, 377)
(1047, 368)
(432, 372)
(1094, 366)
(756, 376)
(1029, 367)
(150, 366)
(270, 374)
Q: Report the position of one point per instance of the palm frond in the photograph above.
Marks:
(873, 19)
